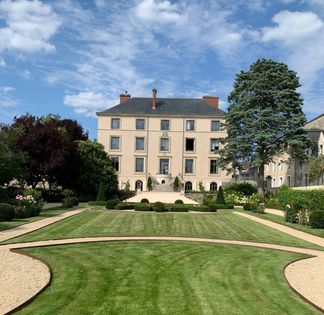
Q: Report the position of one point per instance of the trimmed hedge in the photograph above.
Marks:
(316, 219)
(143, 207)
(125, 206)
(159, 207)
(97, 203)
(178, 202)
(200, 208)
(144, 200)
(111, 204)
(179, 208)
(7, 212)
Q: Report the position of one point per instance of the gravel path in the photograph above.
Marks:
(22, 276)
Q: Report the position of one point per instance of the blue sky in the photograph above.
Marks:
(74, 57)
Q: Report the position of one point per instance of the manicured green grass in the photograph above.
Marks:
(140, 278)
(281, 220)
(222, 225)
(46, 213)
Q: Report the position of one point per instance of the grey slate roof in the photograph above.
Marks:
(142, 106)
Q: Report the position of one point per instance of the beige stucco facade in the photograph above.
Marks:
(293, 173)
(163, 161)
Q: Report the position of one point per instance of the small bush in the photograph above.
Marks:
(250, 206)
(176, 184)
(291, 213)
(144, 200)
(125, 206)
(316, 219)
(74, 200)
(208, 198)
(159, 207)
(200, 208)
(111, 204)
(143, 207)
(7, 212)
(178, 202)
(213, 207)
(220, 196)
(97, 203)
(179, 208)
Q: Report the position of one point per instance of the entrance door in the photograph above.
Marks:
(164, 166)
(139, 185)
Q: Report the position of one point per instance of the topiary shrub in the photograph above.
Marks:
(316, 219)
(143, 207)
(144, 200)
(179, 208)
(178, 202)
(111, 204)
(101, 192)
(149, 184)
(212, 207)
(220, 200)
(176, 184)
(159, 207)
(7, 212)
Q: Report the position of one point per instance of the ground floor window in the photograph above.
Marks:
(188, 186)
(213, 186)
(139, 185)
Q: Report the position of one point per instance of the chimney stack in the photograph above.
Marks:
(154, 91)
(124, 97)
(211, 100)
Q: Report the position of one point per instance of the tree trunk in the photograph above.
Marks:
(261, 179)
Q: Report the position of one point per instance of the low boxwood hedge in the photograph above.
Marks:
(316, 219)
(111, 204)
(125, 206)
(200, 208)
(179, 208)
(143, 207)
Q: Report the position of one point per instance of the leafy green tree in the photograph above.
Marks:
(95, 168)
(101, 196)
(316, 168)
(220, 200)
(264, 118)
(12, 159)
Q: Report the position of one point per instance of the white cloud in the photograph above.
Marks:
(293, 27)
(29, 26)
(2, 63)
(86, 103)
(6, 98)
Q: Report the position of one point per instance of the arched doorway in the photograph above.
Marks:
(213, 186)
(139, 185)
(188, 186)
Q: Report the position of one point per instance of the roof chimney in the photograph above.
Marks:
(124, 97)
(211, 100)
(154, 91)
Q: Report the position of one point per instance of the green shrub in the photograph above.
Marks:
(97, 203)
(143, 207)
(74, 200)
(144, 200)
(235, 198)
(178, 202)
(179, 208)
(208, 198)
(251, 206)
(111, 203)
(246, 189)
(220, 196)
(101, 192)
(316, 219)
(176, 184)
(159, 207)
(7, 212)
(213, 207)
(67, 203)
(200, 208)
(125, 206)
(149, 184)
(291, 213)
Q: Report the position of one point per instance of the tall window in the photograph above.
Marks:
(115, 123)
(140, 124)
(164, 166)
(215, 124)
(115, 162)
(188, 186)
(214, 145)
(190, 125)
(165, 124)
(190, 144)
(139, 144)
(164, 144)
(213, 169)
(114, 143)
(139, 165)
(189, 164)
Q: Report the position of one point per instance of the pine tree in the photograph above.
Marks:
(264, 118)
(220, 200)
(176, 184)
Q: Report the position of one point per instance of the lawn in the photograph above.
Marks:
(166, 278)
(46, 213)
(223, 225)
